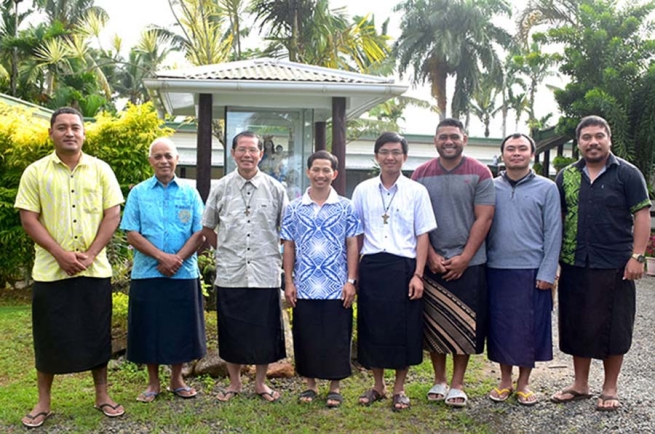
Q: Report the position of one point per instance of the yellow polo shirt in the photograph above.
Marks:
(71, 207)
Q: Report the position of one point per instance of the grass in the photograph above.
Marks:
(73, 398)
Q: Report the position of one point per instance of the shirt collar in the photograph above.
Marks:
(611, 161)
(55, 159)
(255, 180)
(154, 182)
(526, 178)
(333, 197)
(401, 180)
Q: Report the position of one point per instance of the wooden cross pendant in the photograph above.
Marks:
(385, 217)
(247, 211)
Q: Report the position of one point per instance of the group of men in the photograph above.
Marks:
(439, 262)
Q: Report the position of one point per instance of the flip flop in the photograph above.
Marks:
(400, 399)
(606, 398)
(227, 395)
(371, 396)
(45, 414)
(147, 397)
(438, 389)
(334, 396)
(307, 397)
(271, 394)
(178, 392)
(454, 394)
(522, 398)
(575, 396)
(502, 395)
(102, 407)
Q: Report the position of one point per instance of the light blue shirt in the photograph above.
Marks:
(167, 217)
(319, 234)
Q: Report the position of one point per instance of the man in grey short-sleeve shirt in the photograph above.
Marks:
(242, 220)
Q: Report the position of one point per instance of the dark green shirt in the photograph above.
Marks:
(598, 216)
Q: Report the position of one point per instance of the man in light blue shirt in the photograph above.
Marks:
(320, 261)
(162, 219)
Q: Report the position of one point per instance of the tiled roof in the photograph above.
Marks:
(271, 70)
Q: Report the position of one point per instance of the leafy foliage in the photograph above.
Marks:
(608, 58)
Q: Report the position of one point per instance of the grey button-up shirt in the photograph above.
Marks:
(248, 245)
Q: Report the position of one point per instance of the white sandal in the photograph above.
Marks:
(438, 389)
(454, 394)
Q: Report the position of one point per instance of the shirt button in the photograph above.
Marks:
(72, 191)
(75, 236)
(248, 221)
(73, 206)
(248, 235)
(74, 221)
(248, 248)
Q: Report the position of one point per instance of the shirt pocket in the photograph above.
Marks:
(183, 214)
(92, 200)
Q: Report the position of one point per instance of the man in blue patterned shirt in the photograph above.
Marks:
(166, 325)
(320, 260)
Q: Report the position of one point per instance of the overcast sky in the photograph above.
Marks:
(129, 17)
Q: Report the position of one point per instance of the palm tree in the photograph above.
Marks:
(536, 66)
(69, 12)
(285, 20)
(442, 38)
(484, 101)
(312, 33)
(199, 31)
(553, 12)
(235, 10)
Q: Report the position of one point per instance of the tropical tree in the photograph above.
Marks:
(286, 21)
(536, 66)
(235, 10)
(69, 12)
(539, 12)
(199, 31)
(312, 33)
(484, 103)
(608, 58)
(450, 38)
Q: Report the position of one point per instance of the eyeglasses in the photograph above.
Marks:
(386, 152)
(246, 151)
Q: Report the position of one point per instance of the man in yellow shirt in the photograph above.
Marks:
(69, 205)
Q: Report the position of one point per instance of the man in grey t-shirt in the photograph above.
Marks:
(463, 197)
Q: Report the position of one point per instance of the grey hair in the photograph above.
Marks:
(166, 140)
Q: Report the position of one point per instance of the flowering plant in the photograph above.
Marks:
(650, 247)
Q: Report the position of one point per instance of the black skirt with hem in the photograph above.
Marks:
(71, 324)
(250, 330)
(322, 336)
(166, 323)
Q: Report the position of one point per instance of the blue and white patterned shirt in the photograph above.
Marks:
(319, 234)
(167, 217)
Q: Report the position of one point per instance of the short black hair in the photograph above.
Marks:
(323, 155)
(518, 136)
(65, 111)
(451, 122)
(592, 121)
(235, 140)
(390, 137)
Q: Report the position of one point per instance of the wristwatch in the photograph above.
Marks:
(352, 281)
(639, 258)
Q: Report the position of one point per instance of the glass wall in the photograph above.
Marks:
(288, 138)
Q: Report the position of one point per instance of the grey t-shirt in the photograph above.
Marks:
(454, 195)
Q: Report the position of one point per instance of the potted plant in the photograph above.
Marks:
(650, 255)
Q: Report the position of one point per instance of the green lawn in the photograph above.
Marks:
(74, 412)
